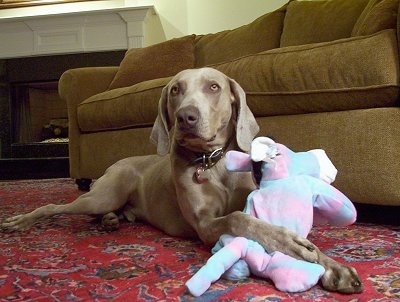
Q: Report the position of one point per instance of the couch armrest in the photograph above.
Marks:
(75, 86)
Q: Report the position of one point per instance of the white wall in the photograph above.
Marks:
(207, 16)
(181, 17)
(174, 18)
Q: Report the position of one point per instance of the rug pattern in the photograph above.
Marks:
(70, 258)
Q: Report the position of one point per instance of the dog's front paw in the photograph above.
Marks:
(17, 223)
(297, 247)
(343, 279)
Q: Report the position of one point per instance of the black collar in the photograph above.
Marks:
(207, 160)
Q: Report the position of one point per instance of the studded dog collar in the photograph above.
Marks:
(204, 162)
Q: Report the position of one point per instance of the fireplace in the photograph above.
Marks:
(33, 118)
(39, 120)
(38, 117)
(37, 46)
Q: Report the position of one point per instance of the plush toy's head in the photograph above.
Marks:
(269, 160)
(304, 181)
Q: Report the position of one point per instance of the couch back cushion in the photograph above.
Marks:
(330, 76)
(156, 61)
(262, 34)
(320, 21)
(122, 108)
(377, 15)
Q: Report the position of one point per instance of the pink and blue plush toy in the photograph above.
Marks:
(294, 192)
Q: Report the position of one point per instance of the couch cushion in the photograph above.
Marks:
(363, 145)
(156, 61)
(262, 34)
(320, 21)
(331, 76)
(377, 16)
(121, 108)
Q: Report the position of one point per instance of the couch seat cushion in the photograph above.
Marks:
(122, 108)
(363, 144)
(331, 76)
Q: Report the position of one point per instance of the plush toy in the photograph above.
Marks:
(294, 192)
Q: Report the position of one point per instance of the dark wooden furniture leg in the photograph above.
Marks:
(83, 184)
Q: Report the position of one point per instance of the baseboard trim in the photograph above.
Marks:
(380, 214)
(34, 168)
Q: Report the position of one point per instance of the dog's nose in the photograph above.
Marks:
(188, 116)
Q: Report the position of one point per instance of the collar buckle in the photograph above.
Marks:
(205, 162)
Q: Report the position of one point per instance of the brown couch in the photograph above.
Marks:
(317, 74)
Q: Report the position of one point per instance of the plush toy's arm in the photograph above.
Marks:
(332, 206)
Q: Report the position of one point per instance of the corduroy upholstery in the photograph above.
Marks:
(312, 79)
(161, 60)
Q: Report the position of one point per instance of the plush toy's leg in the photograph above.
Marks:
(239, 270)
(216, 265)
(292, 275)
(288, 274)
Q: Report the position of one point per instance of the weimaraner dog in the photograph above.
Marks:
(185, 190)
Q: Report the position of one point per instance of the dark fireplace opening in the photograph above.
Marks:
(40, 120)
(33, 118)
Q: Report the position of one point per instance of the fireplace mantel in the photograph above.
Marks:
(109, 25)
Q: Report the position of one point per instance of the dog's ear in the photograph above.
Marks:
(246, 125)
(160, 132)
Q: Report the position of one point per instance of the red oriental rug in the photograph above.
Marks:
(69, 258)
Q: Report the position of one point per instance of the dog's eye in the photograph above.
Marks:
(214, 87)
(175, 90)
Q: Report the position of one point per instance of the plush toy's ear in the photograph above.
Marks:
(263, 149)
(238, 161)
(327, 171)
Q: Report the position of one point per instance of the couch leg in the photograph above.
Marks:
(83, 184)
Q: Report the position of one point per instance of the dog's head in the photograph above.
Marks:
(203, 107)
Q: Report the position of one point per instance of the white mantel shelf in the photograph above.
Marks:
(73, 28)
